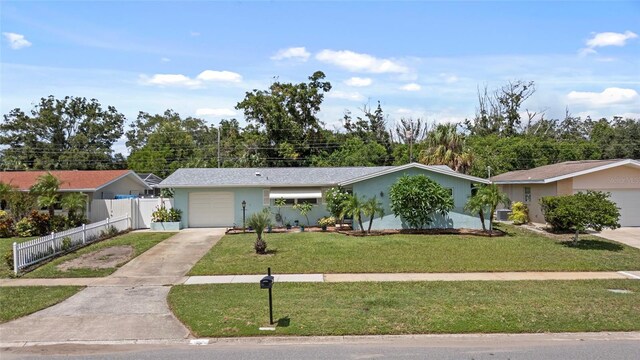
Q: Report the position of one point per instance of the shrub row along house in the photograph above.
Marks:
(222, 196)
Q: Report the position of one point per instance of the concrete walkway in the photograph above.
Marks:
(380, 277)
(129, 304)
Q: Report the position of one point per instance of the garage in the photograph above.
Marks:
(629, 203)
(210, 209)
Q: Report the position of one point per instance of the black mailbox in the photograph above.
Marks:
(266, 282)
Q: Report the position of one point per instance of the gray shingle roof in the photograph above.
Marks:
(302, 176)
(550, 171)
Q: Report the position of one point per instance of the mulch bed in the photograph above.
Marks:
(350, 232)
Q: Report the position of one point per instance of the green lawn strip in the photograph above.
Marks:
(140, 241)
(409, 307)
(6, 246)
(20, 301)
(307, 252)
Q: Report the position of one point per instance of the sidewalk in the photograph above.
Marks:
(371, 277)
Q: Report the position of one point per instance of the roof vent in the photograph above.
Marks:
(258, 173)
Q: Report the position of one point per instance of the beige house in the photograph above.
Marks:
(621, 178)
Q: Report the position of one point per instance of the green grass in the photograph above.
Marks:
(19, 301)
(6, 246)
(140, 241)
(409, 307)
(521, 250)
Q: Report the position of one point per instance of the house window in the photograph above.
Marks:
(300, 201)
(527, 194)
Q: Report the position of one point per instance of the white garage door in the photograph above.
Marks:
(629, 203)
(210, 209)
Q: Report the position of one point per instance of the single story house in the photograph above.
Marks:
(621, 178)
(152, 180)
(214, 197)
(97, 184)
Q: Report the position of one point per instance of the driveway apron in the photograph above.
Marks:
(131, 304)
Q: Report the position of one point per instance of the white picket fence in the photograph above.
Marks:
(36, 250)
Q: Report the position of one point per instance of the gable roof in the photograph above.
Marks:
(71, 180)
(150, 178)
(555, 172)
(288, 177)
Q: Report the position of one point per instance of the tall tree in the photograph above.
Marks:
(69, 133)
(163, 143)
(286, 114)
(446, 146)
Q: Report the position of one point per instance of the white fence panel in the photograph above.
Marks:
(42, 248)
(140, 209)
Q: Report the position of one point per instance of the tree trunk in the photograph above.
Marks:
(481, 213)
(52, 211)
(575, 238)
(360, 222)
(370, 223)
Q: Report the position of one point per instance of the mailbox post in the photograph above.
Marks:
(267, 283)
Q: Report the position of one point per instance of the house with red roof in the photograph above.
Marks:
(97, 184)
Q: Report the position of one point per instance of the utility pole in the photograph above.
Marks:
(218, 146)
(409, 135)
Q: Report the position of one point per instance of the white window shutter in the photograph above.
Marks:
(265, 197)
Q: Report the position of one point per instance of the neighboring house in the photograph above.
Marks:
(213, 197)
(621, 178)
(152, 180)
(97, 184)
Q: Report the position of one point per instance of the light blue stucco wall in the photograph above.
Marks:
(254, 199)
(457, 218)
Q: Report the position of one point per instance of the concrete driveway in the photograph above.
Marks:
(626, 235)
(131, 304)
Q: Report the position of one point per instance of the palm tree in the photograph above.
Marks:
(46, 189)
(446, 146)
(353, 207)
(490, 196)
(74, 203)
(259, 221)
(475, 205)
(5, 192)
(370, 209)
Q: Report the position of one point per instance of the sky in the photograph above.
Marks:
(420, 59)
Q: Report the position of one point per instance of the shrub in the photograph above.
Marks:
(59, 223)
(6, 225)
(415, 199)
(38, 223)
(25, 228)
(327, 221)
(580, 211)
(304, 209)
(66, 243)
(162, 214)
(8, 258)
(109, 232)
(335, 199)
(519, 213)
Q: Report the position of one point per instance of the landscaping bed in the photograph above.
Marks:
(321, 309)
(20, 301)
(330, 252)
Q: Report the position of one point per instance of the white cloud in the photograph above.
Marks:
(212, 75)
(449, 78)
(194, 33)
(609, 96)
(170, 80)
(165, 59)
(358, 82)
(346, 95)
(353, 61)
(299, 53)
(215, 112)
(411, 87)
(16, 41)
(610, 39)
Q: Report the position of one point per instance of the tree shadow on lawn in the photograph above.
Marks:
(593, 245)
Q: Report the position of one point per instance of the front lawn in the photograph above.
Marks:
(520, 250)
(20, 301)
(409, 308)
(140, 241)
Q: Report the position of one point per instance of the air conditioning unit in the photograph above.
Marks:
(503, 214)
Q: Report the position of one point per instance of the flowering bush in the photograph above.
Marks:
(519, 213)
(6, 225)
